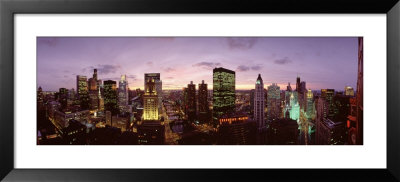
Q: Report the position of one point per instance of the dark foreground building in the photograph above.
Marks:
(151, 133)
(283, 132)
(236, 131)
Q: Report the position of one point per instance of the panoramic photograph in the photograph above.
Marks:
(199, 91)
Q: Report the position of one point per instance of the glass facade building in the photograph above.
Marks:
(110, 96)
(223, 93)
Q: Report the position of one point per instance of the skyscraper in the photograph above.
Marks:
(223, 93)
(81, 85)
(294, 107)
(252, 91)
(273, 102)
(327, 95)
(101, 101)
(123, 94)
(83, 93)
(289, 88)
(110, 97)
(191, 101)
(297, 83)
(203, 102)
(150, 100)
(310, 104)
(259, 105)
(203, 97)
(158, 86)
(93, 89)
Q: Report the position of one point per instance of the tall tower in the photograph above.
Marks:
(158, 86)
(310, 104)
(223, 93)
(273, 102)
(259, 103)
(95, 74)
(191, 101)
(83, 93)
(203, 102)
(93, 85)
(150, 101)
(123, 94)
(298, 83)
(110, 96)
(81, 85)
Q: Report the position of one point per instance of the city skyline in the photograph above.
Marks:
(321, 62)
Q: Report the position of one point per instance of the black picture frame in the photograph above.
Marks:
(9, 8)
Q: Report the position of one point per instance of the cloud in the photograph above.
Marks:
(103, 68)
(283, 61)
(207, 65)
(256, 67)
(169, 69)
(241, 43)
(242, 68)
(149, 63)
(170, 77)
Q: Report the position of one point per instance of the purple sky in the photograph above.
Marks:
(321, 62)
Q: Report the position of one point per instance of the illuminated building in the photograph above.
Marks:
(150, 101)
(93, 88)
(158, 86)
(349, 91)
(101, 101)
(259, 104)
(223, 93)
(62, 119)
(110, 96)
(203, 102)
(327, 95)
(310, 104)
(123, 94)
(294, 108)
(82, 89)
(273, 102)
(81, 85)
(191, 101)
(359, 96)
(236, 130)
